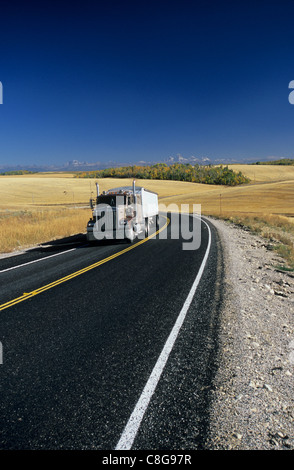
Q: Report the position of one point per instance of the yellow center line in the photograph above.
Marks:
(28, 295)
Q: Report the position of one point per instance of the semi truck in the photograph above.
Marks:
(127, 213)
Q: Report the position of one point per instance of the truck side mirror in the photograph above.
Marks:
(91, 204)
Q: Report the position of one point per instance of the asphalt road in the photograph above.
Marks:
(82, 328)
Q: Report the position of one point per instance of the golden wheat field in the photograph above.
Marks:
(265, 173)
(36, 208)
(32, 191)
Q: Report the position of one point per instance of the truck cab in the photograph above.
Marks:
(123, 213)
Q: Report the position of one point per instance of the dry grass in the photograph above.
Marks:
(22, 229)
(278, 229)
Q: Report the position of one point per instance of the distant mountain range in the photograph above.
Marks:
(75, 165)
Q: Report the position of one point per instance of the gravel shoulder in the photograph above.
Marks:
(252, 402)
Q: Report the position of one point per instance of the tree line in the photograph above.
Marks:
(282, 161)
(17, 172)
(208, 174)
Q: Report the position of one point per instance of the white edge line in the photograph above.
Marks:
(36, 260)
(130, 431)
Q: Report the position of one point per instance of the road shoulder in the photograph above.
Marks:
(252, 403)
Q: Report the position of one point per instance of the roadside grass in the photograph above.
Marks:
(276, 228)
(26, 228)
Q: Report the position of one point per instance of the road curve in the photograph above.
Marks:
(78, 354)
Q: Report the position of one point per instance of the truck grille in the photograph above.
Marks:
(106, 220)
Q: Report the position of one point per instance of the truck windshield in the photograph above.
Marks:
(110, 200)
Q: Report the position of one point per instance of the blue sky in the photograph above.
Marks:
(144, 80)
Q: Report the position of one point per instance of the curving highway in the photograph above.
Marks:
(111, 346)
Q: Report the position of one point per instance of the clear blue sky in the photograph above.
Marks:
(143, 80)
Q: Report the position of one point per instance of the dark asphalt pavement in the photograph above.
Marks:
(77, 356)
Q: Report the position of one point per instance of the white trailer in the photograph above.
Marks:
(127, 212)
